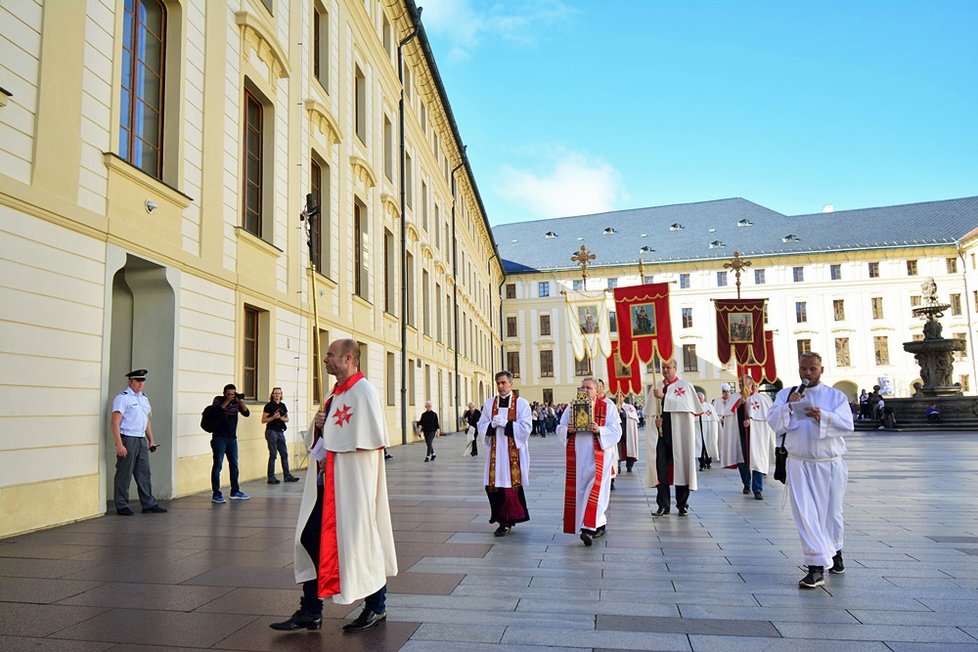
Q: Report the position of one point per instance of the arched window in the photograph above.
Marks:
(143, 56)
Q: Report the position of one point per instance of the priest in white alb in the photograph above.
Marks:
(344, 543)
(506, 423)
(589, 461)
(673, 458)
(707, 427)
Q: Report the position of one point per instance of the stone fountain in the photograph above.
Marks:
(934, 353)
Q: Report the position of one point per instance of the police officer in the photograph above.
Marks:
(133, 444)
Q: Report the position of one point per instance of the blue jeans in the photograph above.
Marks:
(224, 446)
(754, 478)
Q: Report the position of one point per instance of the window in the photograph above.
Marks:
(253, 165)
(439, 329)
(544, 325)
(391, 383)
(543, 289)
(360, 278)
(877, 305)
(319, 225)
(804, 346)
(409, 281)
(412, 376)
(689, 357)
(548, 396)
(842, 352)
(765, 312)
(955, 304)
(513, 363)
(684, 281)
(915, 300)
(388, 149)
(801, 312)
(835, 272)
(387, 37)
(952, 265)
(425, 303)
(320, 46)
(143, 58)
(963, 353)
(687, 317)
(582, 367)
(546, 364)
(759, 277)
(424, 205)
(647, 280)
(839, 309)
(407, 82)
(612, 322)
(390, 261)
(655, 365)
(317, 365)
(251, 337)
(360, 105)
(911, 268)
(268, 5)
(917, 337)
(965, 385)
(882, 349)
(874, 270)
(511, 327)
(511, 290)
(721, 279)
(798, 274)
(578, 285)
(408, 181)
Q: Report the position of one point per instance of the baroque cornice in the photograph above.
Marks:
(362, 171)
(323, 120)
(390, 205)
(412, 232)
(257, 36)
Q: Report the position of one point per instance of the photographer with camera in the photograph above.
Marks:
(224, 442)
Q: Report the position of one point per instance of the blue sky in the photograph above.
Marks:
(572, 107)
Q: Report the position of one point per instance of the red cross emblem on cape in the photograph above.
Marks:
(680, 391)
(343, 415)
(755, 405)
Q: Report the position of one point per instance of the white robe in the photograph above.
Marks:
(364, 536)
(522, 427)
(585, 463)
(631, 430)
(707, 429)
(681, 404)
(817, 474)
(729, 433)
(760, 437)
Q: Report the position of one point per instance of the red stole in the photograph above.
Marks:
(600, 414)
(516, 479)
(329, 558)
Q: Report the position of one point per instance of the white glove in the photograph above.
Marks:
(500, 421)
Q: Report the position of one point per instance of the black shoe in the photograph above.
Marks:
(432, 459)
(838, 568)
(274, 480)
(683, 511)
(388, 456)
(746, 489)
(502, 530)
(365, 620)
(427, 459)
(586, 537)
(600, 532)
(612, 484)
(125, 511)
(662, 511)
(814, 579)
(155, 509)
(291, 478)
(758, 495)
(298, 620)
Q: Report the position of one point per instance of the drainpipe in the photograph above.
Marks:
(404, 287)
(968, 310)
(455, 277)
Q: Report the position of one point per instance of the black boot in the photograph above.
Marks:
(299, 620)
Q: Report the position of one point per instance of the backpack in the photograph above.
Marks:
(210, 418)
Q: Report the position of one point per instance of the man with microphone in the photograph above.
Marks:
(814, 418)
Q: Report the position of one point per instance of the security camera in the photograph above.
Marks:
(151, 205)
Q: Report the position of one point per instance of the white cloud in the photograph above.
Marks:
(464, 23)
(574, 185)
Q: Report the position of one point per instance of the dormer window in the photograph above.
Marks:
(676, 227)
(791, 237)
(716, 244)
(745, 223)
(515, 241)
(550, 235)
(579, 239)
(644, 235)
(646, 250)
(610, 231)
(713, 230)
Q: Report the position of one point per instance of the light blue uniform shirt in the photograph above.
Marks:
(135, 410)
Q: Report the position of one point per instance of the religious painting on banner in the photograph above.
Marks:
(644, 326)
(624, 378)
(587, 314)
(764, 371)
(740, 326)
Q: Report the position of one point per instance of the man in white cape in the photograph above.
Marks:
(755, 454)
(672, 458)
(814, 420)
(707, 427)
(628, 446)
(506, 424)
(344, 543)
(589, 461)
(725, 407)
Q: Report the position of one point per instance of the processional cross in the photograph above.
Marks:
(736, 264)
(583, 258)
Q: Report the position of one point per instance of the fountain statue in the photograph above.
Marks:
(934, 353)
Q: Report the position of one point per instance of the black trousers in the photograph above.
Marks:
(663, 460)
(429, 438)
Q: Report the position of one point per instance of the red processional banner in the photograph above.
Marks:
(765, 371)
(740, 327)
(644, 326)
(624, 378)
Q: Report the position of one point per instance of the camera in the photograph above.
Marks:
(239, 397)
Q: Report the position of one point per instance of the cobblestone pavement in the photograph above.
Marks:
(724, 578)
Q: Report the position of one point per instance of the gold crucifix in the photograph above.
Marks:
(736, 264)
(583, 258)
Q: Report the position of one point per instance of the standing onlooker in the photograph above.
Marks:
(817, 474)
(134, 442)
(224, 443)
(471, 417)
(344, 513)
(430, 429)
(863, 405)
(275, 416)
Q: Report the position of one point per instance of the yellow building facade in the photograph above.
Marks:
(150, 194)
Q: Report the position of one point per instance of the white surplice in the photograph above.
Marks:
(707, 429)
(522, 427)
(680, 405)
(585, 462)
(729, 432)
